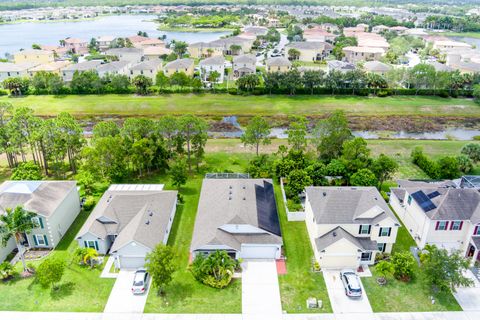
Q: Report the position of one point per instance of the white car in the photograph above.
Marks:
(140, 281)
(351, 283)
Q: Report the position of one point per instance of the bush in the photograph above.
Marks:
(89, 203)
(26, 171)
(430, 167)
(50, 272)
(294, 206)
(382, 93)
(403, 265)
(6, 270)
(215, 270)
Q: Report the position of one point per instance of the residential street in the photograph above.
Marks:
(121, 299)
(340, 302)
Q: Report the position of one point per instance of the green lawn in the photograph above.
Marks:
(398, 296)
(300, 282)
(461, 34)
(224, 104)
(185, 294)
(81, 289)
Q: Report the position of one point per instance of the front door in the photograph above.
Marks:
(471, 251)
(24, 239)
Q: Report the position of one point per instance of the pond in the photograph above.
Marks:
(14, 37)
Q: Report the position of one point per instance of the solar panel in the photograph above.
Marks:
(433, 194)
(423, 201)
(267, 208)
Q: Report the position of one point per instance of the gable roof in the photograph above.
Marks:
(179, 64)
(278, 61)
(112, 66)
(41, 197)
(216, 60)
(310, 45)
(347, 205)
(245, 58)
(338, 234)
(148, 65)
(376, 66)
(132, 212)
(83, 66)
(238, 202)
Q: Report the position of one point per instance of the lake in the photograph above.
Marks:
(14, 37)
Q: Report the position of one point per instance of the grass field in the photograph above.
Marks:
(224, 104)
(462, 34)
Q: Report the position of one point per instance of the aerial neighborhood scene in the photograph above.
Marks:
(304, 160)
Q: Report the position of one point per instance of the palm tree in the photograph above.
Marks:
(89, 256)
(13, 224)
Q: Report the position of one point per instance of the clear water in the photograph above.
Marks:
(14, 37)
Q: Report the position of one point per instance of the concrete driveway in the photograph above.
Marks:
(469, 298)
(121, 299)
(260, 290)
(340, 302)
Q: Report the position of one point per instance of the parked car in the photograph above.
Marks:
(351, 283)
(140, 281)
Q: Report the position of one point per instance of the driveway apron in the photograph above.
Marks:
(121, 299)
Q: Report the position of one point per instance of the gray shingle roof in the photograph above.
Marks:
(42, 197)
(339, 233)
(278, 61)
(179, 64)
(229, 201)
(83, 66)
(147, 65)
(245, 58)
(217, 60)
(376, 66)
(311, 45)
(112, 66)
(347, 205)
(127, 212)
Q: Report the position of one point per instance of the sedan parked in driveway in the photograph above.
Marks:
(140, 281)
(351, 283)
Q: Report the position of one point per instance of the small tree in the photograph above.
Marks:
(178, 173)
(141, 84)
(293, 54)
(384, 269)
(50, 272)
(363, 177)
(257, 132)
(384, 167)
(472, 150)
(297, 180)
(161, 264)
(403, 265)
(297, 134)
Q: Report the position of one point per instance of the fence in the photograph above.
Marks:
(291, 215)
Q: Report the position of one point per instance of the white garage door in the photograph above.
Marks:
(258, 252)
(131, 262)
(333, 262)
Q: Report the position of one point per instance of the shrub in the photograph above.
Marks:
(294, 206)
(50, 272)
(403, 265)
(215, 270)
(382, 94)
(6, 270)
(89, 203)
(423, 162)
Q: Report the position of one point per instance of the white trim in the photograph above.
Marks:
(40, 236)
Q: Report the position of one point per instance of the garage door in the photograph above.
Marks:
(131, 262)
(258, 252)
(333, 262)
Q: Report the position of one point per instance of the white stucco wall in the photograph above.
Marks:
(4, 251)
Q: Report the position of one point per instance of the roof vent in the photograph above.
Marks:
(230, 192)
(150, 214)
(244, 188)
(230, 187)
(324, 194)
(244, 198)
(334, 234)
(229, 198)
(147, 222)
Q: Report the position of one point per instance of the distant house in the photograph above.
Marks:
(377, 67)
(104, 42)
(244, 65)
(56, 204)
(317, 33)
(210, 65)
(440, 66)
(54, 67)
(155, 53)
(128, 222)
(148, 69)
(228, 45)
(440, 213)
(380, 28)
(33, 56)
(256, 30)
(278, 64)
(341, 66)
(239, 216)
(348, 226)
(180, 65)
(11, 70)
(114, 68)
(329, 27)
(310, 51)
(151, 42)
(449, 44)
(356, 54)
(133, 55)
(200, 50)
(68, 71)
(75, 45)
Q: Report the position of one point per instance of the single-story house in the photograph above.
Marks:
(56, 204)
(348, 226)
(129, 221)
(238, 215)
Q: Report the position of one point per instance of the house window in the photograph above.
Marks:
(409, 199)
(37, 221)
(366, 256)
(91, 244)
(385, 232)
(456, 225)
(364, 229)
(40, 240)
(441, 225)
(381, 247)
(476, 232)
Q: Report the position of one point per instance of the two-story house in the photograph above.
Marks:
(55, 203)
(185, 65)
(348, 226)
(440, 214)
(238, 215)
(278, 64)
(209, 65)
(244, 65)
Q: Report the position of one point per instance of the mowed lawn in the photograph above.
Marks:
(300, 282)
(185, 294)
(224, 104)
(398, 296)
(81, 289)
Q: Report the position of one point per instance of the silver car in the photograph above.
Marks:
(140, 281)
(351, 283)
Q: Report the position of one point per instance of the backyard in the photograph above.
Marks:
(224, 104)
